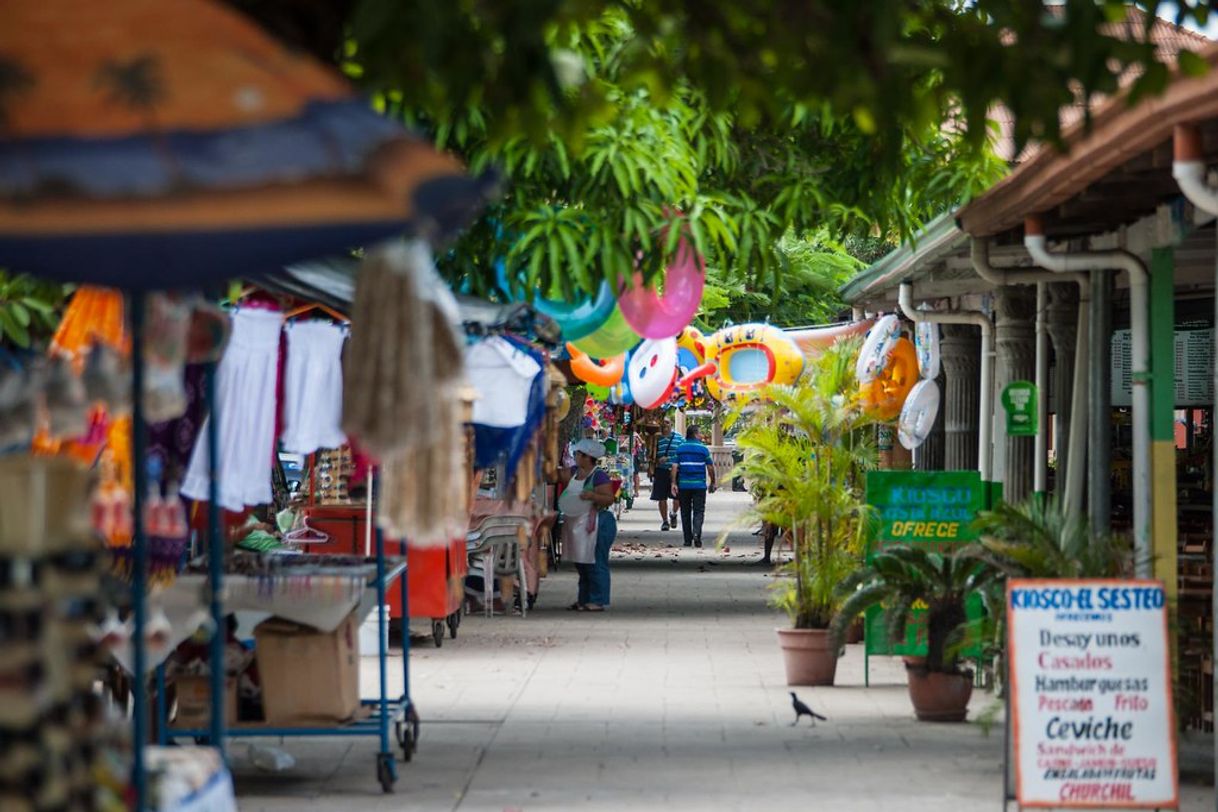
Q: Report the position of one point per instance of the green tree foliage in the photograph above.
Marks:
(656, 160)
(29, 308)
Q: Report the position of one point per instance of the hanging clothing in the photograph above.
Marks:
(313, 387)
(245, 398)
(511, 381)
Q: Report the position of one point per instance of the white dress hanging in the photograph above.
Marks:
(245, 400)
(313, 387)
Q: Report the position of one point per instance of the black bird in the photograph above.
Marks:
(803, 710)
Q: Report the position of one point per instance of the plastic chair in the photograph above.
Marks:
(497, 550)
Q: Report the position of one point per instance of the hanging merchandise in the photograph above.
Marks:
(503, 373)
(897, 373)
(18, 406)
(404, 350)
(582, 318)
(94, 316)
(313, 387)
(165, 339)
(654, 315)
(742, 359)
(606, 372)
(652, 372)
(245, 399)
(918, 414)
(926, 341)
(877, 349)
(610, 339)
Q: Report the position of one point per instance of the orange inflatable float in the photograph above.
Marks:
(885, 394)
(599, 373)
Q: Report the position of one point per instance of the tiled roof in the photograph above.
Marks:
(1169, 40)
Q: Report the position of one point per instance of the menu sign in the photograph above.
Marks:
(1193, 373)
(1091, 694)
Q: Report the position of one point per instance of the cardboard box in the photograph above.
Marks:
(194, 701)
(307, 675)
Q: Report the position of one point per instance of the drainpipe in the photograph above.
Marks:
(1034, 241)
(976, 317)
(1188, 169)
(1073, 486)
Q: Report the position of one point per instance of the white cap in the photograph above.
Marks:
(593, 448)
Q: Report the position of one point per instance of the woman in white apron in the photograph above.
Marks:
(588, 529)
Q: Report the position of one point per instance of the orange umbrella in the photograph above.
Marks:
(160, 143)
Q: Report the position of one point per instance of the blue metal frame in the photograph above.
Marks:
(385, 711)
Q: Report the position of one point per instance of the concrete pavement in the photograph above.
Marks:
(673, 699)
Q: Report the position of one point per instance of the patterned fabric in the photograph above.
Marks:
(666, 448)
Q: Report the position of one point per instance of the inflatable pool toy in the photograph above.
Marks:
(877, 349)
(663, 315)
(918, 414)
(582, 318)
(601, 373)
(611, 338)
(693, 342)
(813, 341)
(597, 392)
(926, 340)
(743, 358)
(575, 320)
(619, 394)
(885, 393)
(651, 372)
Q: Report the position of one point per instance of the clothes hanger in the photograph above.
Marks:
(306, 534)
(326, 309)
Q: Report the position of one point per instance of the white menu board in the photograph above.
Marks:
(1092, 714)
(1193, 373)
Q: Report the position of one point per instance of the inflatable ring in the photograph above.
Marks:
(886, 393)
(611, 338)
(574, 320)
(692, 341)
(877, 349)
(605, 373)
(926, 339)
(655, 315)
(743, 358)
(918, 414)
(651, 371)
(813, 341)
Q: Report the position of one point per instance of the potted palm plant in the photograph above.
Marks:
(804, 455)
(901, 579)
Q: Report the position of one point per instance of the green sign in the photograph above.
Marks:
(1020, 400)
(928, 509)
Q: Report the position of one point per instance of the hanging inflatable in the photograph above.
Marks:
(813, 341)
(600, 373)
(611, 338)
(744, 358)
(651, 372)
(655, 315)
(895, 376)
(918, 414)
(926, 339)
(582, 318)
(877, 349)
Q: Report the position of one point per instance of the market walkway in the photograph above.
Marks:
(675, 699)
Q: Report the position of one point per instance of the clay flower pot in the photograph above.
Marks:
(808, 657)
(939, 697)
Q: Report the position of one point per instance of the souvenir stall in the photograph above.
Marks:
(129, 204)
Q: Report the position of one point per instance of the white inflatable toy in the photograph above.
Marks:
(651, 371)
(877, 349)
(926, 339)
(918, 414)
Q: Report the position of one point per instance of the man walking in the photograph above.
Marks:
(691, 471)
(661, 478)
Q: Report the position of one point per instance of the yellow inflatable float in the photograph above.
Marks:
(743, 358)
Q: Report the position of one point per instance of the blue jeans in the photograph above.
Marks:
(598, 573)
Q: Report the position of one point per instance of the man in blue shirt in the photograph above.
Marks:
(691, 471)
(661, 477)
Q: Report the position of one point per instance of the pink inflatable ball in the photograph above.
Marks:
(663, 315)
(614, 337)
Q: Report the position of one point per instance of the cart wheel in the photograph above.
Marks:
(437, 632)
(407, 732)
(386, 772)
(454, 620)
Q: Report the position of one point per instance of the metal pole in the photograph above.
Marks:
(1040, 475)
(139, 555)
(1099, 397)
(215, 562)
